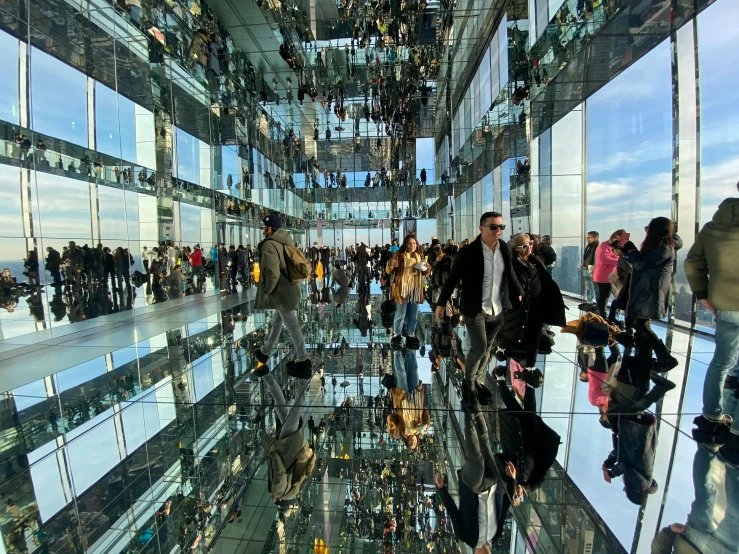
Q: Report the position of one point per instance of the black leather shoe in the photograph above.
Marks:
(665, 365)
(412, 342)
(260, 371)
(261, 356)
(300, 370)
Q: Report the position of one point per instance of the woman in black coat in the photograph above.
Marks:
(542, 304)
(650, 288)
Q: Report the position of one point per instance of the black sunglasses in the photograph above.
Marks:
(495, 226)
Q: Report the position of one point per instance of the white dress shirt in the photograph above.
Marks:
(492, 280)
(487, 519)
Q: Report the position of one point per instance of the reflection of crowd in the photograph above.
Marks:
(92, 281)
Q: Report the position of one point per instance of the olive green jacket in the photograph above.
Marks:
(712, 265)
(274, 291)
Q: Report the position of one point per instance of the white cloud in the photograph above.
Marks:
(646, 151)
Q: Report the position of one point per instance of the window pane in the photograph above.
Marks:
(51, 80)
(9, 83)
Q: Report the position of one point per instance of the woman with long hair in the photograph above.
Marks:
(651, 288)
(542, 304)
(606, 262)
(408, 269)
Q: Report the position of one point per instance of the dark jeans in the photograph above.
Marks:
(478, 472)
(647, 341)
(482, 330)
(604, 292)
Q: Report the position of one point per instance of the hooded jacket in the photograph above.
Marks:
(712, 264)
(274, 290)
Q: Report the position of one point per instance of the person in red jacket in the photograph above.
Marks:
(196, 261)
(605, 264)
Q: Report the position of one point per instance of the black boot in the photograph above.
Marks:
(300, 370)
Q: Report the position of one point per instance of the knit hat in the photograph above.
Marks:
(273, 221)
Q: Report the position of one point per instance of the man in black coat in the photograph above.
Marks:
(53, 265)
(485, 487)
(489, 286)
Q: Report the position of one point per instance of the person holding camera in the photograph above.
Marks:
(408, 270)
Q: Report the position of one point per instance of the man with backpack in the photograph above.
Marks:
(282, 267)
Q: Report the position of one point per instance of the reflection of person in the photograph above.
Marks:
(31, 267)
(485, 488)
(290, 460)
(700, 535)
(527, 441)
(53, 265)
(411, 417)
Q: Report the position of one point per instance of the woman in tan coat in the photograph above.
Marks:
(411, 419)
(408, 270)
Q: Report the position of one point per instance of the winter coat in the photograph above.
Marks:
(339, 276)
(529, 443)
(669, 542)
(442, 270)
(53, 260)
(223, 259)
(281, 463)
(196, 258)
(199, 48)
(588, 257)
(396, 286)
(633, 451)
(712, 265)
(213, 63)
(274, 290)
(650, 288)
(605, 263)
(469, 267)
(464, 517)
(548, 307)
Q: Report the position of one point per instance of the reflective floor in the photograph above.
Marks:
(154, 434)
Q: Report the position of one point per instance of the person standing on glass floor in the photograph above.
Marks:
(489, 286)
(276, 292)
(712, 267)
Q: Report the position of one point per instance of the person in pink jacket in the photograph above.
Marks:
(605, 264)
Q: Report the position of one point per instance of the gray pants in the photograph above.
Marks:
(478, 473)
(482, 330)
(290, 320)
(289, 414)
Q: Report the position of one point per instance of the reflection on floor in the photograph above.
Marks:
(192, 473)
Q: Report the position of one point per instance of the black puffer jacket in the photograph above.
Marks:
(651, 280)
